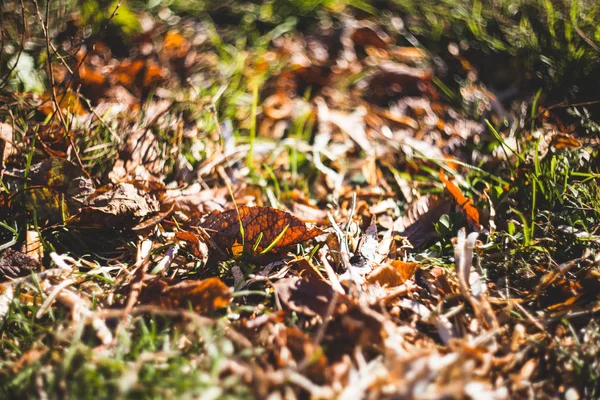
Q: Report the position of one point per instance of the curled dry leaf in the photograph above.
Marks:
(418, 223)
(204, 296)
(120, 205)
(262, 229)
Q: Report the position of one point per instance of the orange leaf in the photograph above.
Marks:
(264, 228)
(204, 295)
(467, 205)
(199, 248)
(564, 142)
(393, 274)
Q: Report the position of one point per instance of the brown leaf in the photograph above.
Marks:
(370, 35)
(175, 45)
(121, 205)
(195, 201)
(204, 296)
(199, 248)
(467, 205)
(409, 55)
(420, 218)
(393, 274)
(307, 296)
(33, 245)
(297, 346)
(14, 264)
(262, 227)
(564, 142)
(29, 357)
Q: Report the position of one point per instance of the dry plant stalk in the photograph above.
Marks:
(470, 283)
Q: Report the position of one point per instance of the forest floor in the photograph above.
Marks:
(299, 199)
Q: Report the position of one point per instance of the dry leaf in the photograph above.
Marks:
(467, 205)
(6, 145)
(14, 264)
(204, 296)
(307, 296)
(564, 142)
(420, 218)
(116, 206)
(199, 248)
(278, 106)
(393, 274)
(262, 229)
(58, 188)
(370, 35)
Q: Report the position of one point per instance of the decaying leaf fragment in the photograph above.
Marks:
(256, 230)
(204, 296)
(14, 264)
(6, 145)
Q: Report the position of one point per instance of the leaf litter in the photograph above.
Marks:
(186, 196)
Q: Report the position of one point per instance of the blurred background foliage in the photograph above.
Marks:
(554, 44)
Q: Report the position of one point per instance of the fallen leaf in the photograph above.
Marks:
(175, 45)
(33, 245)
(295, 347)
(393, 274)
(29, 357)
(204, 296)
(57, 188)
(307, 296)
(14, 264)
(370, 35)
(6, 145)
(564, 142)
(199, 248)
(418, 222)
(467, 205)
(263, 229)
(278, 106)
(120, 205)
(409, 55)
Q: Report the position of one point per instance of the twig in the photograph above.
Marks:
(142, 264)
